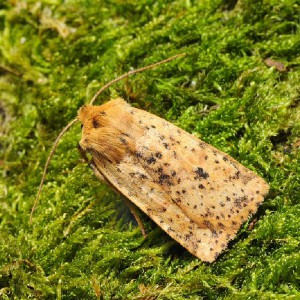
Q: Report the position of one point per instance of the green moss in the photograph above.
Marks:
(83, 243)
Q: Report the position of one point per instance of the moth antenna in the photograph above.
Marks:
(134, 72)
(47, 165)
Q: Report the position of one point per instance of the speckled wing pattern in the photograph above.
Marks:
(199, 195)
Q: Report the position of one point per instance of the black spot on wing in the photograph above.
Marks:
(239, 201)
(158, 155)
(201, 186)
(159, 170)
(151, 160)
(200, 173)
(164, 179)
(166, 145)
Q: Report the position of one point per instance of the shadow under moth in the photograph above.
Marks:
(197, 194)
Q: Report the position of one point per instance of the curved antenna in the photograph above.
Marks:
(76, 119)
(133, 72)
(47, 165)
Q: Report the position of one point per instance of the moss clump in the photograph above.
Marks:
(83, 243)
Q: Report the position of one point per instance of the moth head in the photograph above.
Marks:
(93, 119)
(106, 130)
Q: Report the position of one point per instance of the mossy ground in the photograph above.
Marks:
(83, 243)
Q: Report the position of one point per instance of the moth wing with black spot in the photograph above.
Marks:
(199, 195)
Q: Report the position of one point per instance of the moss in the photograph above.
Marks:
(83, 243)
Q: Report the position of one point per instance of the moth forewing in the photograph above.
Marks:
(199, 195)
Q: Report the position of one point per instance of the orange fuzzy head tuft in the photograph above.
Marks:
(101, 129)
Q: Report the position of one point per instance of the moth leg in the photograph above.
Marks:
(97, 173)
(134, 211)
(91, 164)
(82, 153)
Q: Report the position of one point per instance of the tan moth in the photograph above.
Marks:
(196, 193)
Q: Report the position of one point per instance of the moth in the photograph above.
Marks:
(197, 194)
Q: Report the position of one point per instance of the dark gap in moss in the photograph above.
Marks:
(281, 137)
(240, 132)
(228, 4)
